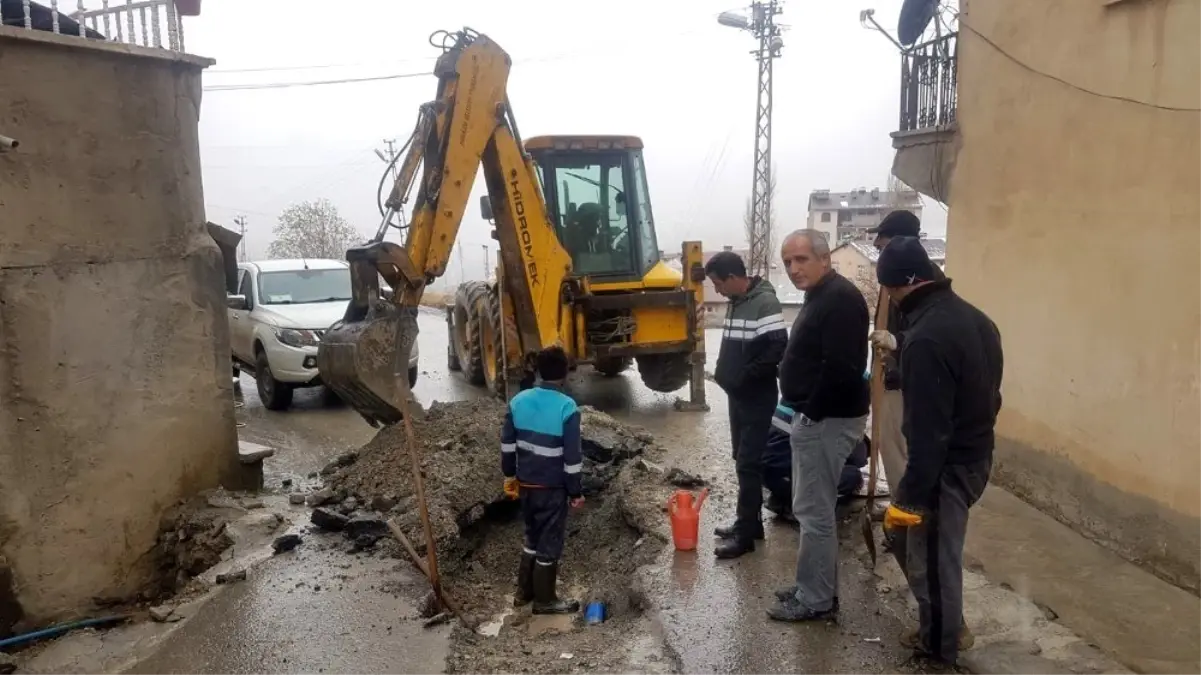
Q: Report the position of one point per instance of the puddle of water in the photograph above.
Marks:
(492, 628)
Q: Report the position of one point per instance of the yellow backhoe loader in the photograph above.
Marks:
(579, 264)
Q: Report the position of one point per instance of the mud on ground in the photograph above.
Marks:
(479, 535)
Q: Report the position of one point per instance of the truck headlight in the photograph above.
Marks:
(296, 338)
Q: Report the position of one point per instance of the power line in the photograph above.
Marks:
(1056, 78)
(316, 66)
(380, 78)
(313, 83)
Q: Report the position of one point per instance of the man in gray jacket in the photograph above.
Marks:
(752, 343)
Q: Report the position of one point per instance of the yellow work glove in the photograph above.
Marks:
(511, 489)
(895, 516)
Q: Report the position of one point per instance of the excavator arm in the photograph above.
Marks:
(364, 357)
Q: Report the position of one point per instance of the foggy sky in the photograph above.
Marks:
(664, 70)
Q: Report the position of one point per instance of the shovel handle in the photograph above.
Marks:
(877, 395)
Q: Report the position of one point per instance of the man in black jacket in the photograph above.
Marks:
(752, 342)
(821, 378)
(899, 223)
(951, 383)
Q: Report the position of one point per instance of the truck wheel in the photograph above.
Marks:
(488, 312)
(665, 372)
(612, 366)
(452, 357)
(467, 338)
(274, 394)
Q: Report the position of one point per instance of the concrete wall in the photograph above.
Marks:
(1075, 225)
(114, 370)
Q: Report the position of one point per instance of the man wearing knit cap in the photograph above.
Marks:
(951, 384)
(898, 223)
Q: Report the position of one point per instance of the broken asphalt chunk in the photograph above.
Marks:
(286, 543)
(230, 577)
(365, 525)
(682, 479)
(329, 520)
(320, 497)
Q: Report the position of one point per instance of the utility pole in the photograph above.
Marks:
(762, 25)
(487, 265)
(240, 221)
(389, 157)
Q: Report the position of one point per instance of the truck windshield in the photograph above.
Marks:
(301, 286)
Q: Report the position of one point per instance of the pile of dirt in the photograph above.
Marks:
(479, 534)
(460, 452)
(460, 461)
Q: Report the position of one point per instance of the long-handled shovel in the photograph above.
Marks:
(877, 393)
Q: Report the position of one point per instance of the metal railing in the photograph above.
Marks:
(929, 74)
(136, 22)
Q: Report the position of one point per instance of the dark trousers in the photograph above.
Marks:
(544, 511)
(750, 422)
(933, 555)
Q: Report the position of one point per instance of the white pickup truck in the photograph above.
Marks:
(277, 317)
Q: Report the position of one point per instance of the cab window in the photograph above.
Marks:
(592, 212)
(644, 223)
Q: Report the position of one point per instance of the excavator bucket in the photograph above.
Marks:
(366, 361)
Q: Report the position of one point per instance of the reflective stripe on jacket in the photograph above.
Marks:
(540, 441)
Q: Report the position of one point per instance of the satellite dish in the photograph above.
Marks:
(916, 15)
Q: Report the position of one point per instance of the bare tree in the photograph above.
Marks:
(312, 230)
(748, 223)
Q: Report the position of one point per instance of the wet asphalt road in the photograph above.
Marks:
(712, 611)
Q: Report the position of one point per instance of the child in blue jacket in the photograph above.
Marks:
(542, 461)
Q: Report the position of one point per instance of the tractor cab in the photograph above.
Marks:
(596, 195)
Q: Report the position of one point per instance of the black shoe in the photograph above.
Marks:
(546, 601)
(731, 532)
(778, 505)
(525, 581)
(793, 611)
(733, 548)
(789, 595)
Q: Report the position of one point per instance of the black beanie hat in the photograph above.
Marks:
(904, 262)
(900, 223)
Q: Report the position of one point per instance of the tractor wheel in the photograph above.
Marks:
(613, 366)
(468, 345)
(489, 321)
(665, 372)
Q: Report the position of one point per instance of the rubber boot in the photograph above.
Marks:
(525, 581)
(546, 601)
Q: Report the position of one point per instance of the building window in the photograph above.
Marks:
(826, 217)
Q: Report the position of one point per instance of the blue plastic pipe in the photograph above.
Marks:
(55, 631)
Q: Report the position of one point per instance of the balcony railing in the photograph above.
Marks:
(148, 23)
(929, 73)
